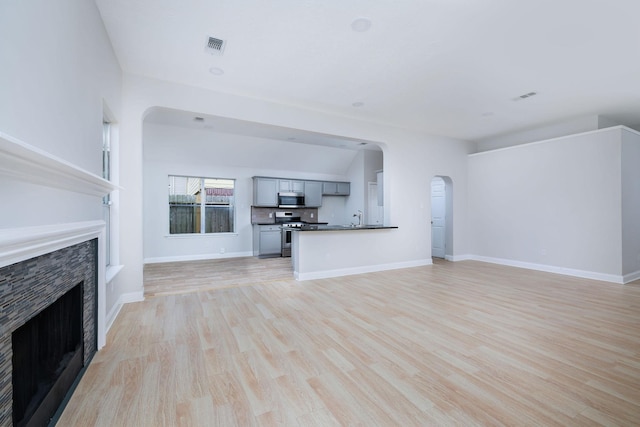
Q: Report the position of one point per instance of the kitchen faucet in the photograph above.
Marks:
(359, 214)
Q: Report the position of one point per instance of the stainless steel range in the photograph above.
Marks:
(288, 221)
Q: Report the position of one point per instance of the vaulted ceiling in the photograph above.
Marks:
(448, 67)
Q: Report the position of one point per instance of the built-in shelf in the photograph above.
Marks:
(31, 164)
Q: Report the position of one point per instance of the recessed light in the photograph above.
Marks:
(216, 71)
(361, 24)
(358, 104)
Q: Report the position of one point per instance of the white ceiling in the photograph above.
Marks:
(448, 67)
(190, 120)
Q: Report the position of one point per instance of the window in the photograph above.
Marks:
(106, 174)
(189, 197)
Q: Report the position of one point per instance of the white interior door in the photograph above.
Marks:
(374, 212)
(438, 213)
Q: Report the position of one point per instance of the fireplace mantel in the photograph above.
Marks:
(27, 163)
(20, 244)
(31, 164)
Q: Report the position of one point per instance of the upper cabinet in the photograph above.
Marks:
(336, 188)
(290, 185)
(265, 192)
(266, 189)
(344, 189)
(313, 194)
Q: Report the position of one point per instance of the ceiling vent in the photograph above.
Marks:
(215, 46)
(525, 96)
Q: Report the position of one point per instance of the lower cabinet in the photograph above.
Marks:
(267, 240)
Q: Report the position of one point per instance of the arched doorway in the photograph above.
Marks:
(442, 217)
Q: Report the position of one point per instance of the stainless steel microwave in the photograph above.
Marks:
(291, 200)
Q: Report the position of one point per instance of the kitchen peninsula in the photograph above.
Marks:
(320, 251)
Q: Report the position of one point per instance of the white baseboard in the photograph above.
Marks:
(325, 274)
(124, 299)
(456, 258)
(157, 260)
(631, 277)
(613, 278)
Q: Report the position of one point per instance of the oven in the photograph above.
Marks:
(287, 222)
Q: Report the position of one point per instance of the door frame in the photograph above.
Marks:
(448, 183)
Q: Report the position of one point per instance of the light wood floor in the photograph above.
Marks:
(453, 344)
(192, 276)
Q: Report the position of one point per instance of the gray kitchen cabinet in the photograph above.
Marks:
(344, 188)
(291, 185)
(329, 188)
(313, 194)
(267, 240)
(336, 188)
(265, 192)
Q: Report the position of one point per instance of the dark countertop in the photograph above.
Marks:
(311, 227)
(276, 223)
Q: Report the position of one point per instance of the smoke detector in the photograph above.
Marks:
(215, 46)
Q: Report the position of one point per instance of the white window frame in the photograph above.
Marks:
(203, 204)
(111, 135)
(106, 174)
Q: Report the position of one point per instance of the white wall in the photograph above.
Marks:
(373, 162)
(410, 160)
(554, 130)
(357, 194)
(58, 68)
(631, 204)
(605, 122)
(554, 203)
(53, 86)
(324, 254)
(361, 171)
(334, 209)
(170, 150)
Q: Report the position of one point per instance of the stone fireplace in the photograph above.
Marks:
(41, 263)
(39, 266)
